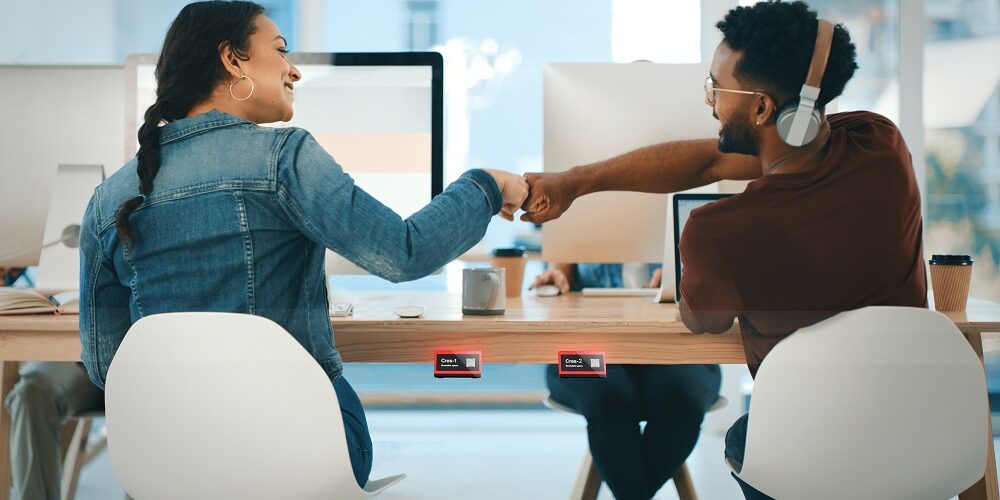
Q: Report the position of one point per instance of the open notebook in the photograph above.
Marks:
(28, 301)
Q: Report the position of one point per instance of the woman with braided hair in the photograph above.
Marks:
(216, 213)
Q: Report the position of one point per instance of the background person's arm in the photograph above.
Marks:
(560, 275)
(8, 275)
(663, 168)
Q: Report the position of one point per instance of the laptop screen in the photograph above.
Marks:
(683, 205)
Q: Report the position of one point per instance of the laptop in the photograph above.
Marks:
(682, 205)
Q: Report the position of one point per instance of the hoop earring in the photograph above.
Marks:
(234, 82)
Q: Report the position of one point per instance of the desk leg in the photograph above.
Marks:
(8, 377)
(985, 488)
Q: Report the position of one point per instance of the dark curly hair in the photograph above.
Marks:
(777, 41)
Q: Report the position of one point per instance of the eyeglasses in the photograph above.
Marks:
(711, 89)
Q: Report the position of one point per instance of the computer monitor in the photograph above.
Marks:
(52, 115)
(597, 111)
(683, 204)
(380, 115)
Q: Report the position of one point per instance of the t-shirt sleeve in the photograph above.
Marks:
(707, 285)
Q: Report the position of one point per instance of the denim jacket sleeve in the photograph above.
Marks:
(104, 302)
(325, 204)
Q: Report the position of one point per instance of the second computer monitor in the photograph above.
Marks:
(597, 111)
(380, 115)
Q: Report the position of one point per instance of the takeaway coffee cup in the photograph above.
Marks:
(512, 260)
(483, 291)
(950, 278)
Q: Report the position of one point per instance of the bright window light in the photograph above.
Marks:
(663, 32)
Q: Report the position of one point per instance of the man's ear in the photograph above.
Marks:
(765, 109)
(230, 60)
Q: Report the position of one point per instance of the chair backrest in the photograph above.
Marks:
(218, 405)
(881, 403)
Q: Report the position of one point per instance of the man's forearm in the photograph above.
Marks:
(665, 168)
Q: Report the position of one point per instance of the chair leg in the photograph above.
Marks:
(75, 458)
(588, 481)
(66, 433)
(100, 445)
(684, 485)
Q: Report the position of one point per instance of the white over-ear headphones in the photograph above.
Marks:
(798, 120)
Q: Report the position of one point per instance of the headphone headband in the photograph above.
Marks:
(804, 122)
(821, 53)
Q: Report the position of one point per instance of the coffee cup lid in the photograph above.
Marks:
(953, 260)
(510, 252)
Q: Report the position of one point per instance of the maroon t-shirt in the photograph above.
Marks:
(794, 249)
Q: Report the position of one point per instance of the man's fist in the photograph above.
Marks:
(551, 195)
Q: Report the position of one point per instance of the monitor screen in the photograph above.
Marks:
(684, 204)
(379, 115)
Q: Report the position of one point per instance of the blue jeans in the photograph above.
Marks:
(736, 444)
(671, 399)
(359, 441)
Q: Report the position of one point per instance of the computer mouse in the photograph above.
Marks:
(547, 291)
(410, 311)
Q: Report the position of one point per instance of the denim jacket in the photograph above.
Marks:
(238, 220)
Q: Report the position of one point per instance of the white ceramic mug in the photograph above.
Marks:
(484, 291)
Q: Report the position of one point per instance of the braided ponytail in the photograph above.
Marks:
(149, 164)
(187, 73)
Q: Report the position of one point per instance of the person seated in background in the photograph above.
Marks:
(43, 400)
(217, 213)
(46, 396)
(671, 399)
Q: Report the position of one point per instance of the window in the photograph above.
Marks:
(962, 120)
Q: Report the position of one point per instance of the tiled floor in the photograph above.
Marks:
(498, 454)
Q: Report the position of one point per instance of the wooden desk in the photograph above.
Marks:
(628, 330)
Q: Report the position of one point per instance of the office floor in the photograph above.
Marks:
(530, 454)
(492, 454)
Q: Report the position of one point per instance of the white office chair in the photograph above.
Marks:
(878, 403)
(588, 481)
(217, 405)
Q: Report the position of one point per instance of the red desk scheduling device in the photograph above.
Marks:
(458, 364)
(582, 364)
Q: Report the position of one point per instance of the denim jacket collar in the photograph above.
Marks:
(185, 127)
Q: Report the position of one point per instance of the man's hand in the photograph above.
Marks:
(552, 276)
(514, 190)
(551, 195)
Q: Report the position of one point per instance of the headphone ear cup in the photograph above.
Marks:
(786, 115)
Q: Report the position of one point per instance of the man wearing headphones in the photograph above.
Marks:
(831, 221)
